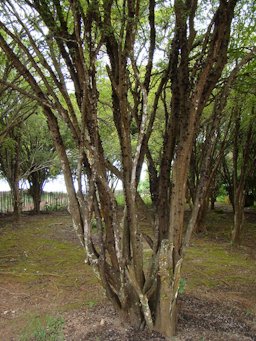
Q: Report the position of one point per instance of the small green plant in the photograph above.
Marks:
(248, 312)
(94, 223)
(48, 329)
(91, 304)
(182, 286)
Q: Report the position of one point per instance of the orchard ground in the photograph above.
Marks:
(47, 292)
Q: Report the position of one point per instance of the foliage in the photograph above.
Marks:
(119, 195)
(143, 187)
(222, 194)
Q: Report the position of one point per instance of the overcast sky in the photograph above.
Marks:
(56, 185)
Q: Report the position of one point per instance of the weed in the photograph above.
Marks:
(248, 312)
(91, 304)
(182, 285)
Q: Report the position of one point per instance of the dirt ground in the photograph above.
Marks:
(225, 311)
(200, 319)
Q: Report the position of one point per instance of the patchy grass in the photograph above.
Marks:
(43, 272)
(214, 265)
(29, 254)
(211, 264)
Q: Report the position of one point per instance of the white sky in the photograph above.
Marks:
(56, 185)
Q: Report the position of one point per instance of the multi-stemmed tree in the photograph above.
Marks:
(38, 162)
(63, 46)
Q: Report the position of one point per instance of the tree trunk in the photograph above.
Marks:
(167, 290)
(213, 200)
(236, 235)
(239, 179)
(17, 205)
(14, 179)
(36, 195)
(200, 219)
(36, 181)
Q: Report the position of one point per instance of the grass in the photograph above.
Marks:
(30, 250)
(44, 328)
(213, 263)
(210, 264)
(33, 255)
(41, 259)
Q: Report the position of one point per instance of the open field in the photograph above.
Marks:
(47, 292)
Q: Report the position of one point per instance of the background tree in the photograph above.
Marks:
(26, 153)
(211, 143)
(239, 162)
(246, 164)
(10, 166)
(38, 157)
(15, 108)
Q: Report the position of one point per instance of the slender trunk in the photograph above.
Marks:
(15, 177)
(16, 199)
(213, 200)
(236, 235)
(201, 216)
(239, 179)
(73, 206)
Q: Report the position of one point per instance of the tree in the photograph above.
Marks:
(15, 108)
(211, 143)
(239, 180)
(26, 153)
(239, 162)
(38, 157)
(64, 42)
(10, 151)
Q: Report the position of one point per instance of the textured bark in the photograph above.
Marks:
(236, 235)
(16, 197)
(36, 181)
(36, 195)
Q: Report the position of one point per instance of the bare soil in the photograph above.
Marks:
(200, 318)
(221, 310)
